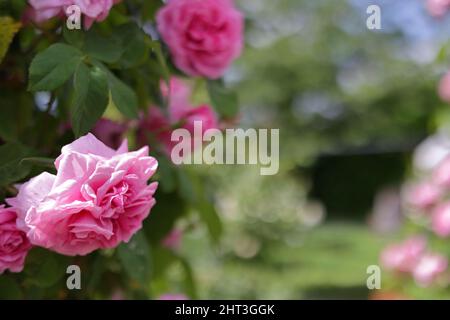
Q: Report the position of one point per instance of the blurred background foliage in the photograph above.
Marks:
(351, 104)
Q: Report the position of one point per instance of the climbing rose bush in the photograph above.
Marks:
(86, 176)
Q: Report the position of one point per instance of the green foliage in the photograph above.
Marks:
(225, 101)
(136, 259)
(51, 68)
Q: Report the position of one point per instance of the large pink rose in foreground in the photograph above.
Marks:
(91, 10)
(204, 36)
(98, 198)
(14, 244)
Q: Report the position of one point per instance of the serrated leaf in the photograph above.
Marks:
(53, 67)
(91, 98)
(8, 29)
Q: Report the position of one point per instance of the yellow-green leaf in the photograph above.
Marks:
(8, 29)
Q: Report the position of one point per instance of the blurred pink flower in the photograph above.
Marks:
(109, 132)
(14, 245)
(437, 8)
(180, 114)
(177, 92)
(173, 239)
(173, 296)
(403, 257)
(441, 220)
(444, 87)
(98, 198)
(441, 174)
(428, 268)
(204, 36)
(424, 195)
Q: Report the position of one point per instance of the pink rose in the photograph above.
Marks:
(404, 257)
(14, 245)
(204, 36)
(444, 87)
(173, 239)
(180, 114)
(109, 132)
(441, 175)
(430, 266)
(437, 8)
(423, 196)
(92, 10)
(98, 198)
(441, 220)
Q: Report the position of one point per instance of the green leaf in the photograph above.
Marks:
(132, 39)
(74, 37)
(224, 101)
(11, 168)
(167, 175)
(9, 289)
(168, 208)
(39, 161)
(209, 215)
(8, 29)
(91, 98)
(44, 268)
(106, 49)
(123, 97)
(136, 260)
(53, 67)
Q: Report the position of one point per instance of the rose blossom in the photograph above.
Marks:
(441, 175)
(423, 195)
(98, 198)
(204, 36)
(441, 220)
(404, 257)
(437, 8)
(93, 10)
(14, 244)
(428, 268)
(180, 114)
